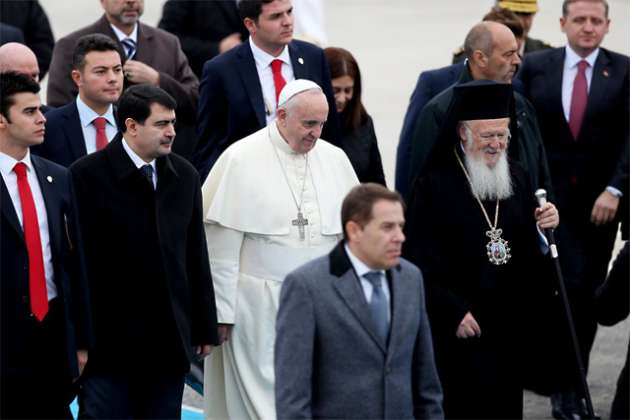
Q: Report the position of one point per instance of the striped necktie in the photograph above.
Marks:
(378, 305)
(130, 47)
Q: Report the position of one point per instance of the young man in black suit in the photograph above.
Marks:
(153, 302)
(45, 333)
(239, 89)
(582, 100)
(86, 124)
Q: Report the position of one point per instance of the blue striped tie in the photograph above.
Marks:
(130, 47)
(378, 304)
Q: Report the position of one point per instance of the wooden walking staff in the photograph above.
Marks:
(541, 196)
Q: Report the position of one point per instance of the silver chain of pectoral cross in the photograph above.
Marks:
(300, 221)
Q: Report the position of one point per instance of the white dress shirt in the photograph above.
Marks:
(7, 163)
(265, 75)
(138, 161)
(360, 268)
(571, 60)
(87, 116)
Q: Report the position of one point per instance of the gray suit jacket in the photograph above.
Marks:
(329, 361)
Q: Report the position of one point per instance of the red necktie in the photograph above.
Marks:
(278, 80)
(101, 135)
(578, 100)
(30, 225)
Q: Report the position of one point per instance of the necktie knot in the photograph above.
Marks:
(276, 65)
(147, 171)
(130, 47)
(20, 170)
(374, 277)
(582, 66)
(99, 123)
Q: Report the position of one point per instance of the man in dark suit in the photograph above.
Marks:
(86, 124)
(239, 89)
(146, 256)
(9, 33)
(206, 28)
(45, 332)
(353, 337)
(581, 95)
(152, 56)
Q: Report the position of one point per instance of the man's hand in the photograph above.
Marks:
(225, 332)
(137, 72)
(605, 208)
(547, 216)
(203, 350)
(229, 42)
(82, 358)
(468, 327)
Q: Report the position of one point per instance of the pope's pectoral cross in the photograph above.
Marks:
(300, 222)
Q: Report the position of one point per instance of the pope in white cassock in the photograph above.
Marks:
(271, 203)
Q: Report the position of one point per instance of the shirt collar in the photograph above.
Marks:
(359, 266)
(572, 58)
(264, 59)
(7, 163)
(137, 160)
(87, 114)
(121, 35)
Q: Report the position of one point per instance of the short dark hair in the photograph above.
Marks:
(506, 17)
(92, 42)
(566, 3)
(136, 101)
(251, 8)
(358, 204)
(12, 83)
(342, 63)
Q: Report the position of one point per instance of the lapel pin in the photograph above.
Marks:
(49, 179)
(605, 73)
(301, 60)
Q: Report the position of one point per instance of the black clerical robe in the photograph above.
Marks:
(482, 377)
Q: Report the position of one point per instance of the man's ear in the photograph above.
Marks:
(132, 126)
(76, 77)
(250, 25)
(3, 121)
(353, 229)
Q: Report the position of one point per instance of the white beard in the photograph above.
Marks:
(489, 183)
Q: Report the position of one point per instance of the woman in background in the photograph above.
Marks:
(358, 136)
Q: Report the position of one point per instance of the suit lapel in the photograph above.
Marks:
(73, 132)
(348, 286)
(8, 211)
(554, 79)
(599, 85)
(300, 67)
(247, 70)
(50, 192)
(145, 50)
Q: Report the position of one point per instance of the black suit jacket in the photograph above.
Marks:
(200, 26)
(231, 104)
(63, 142)
(580, 169)
(147, 262)
(68, 272)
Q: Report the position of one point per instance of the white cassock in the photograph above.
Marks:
(253, 244)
